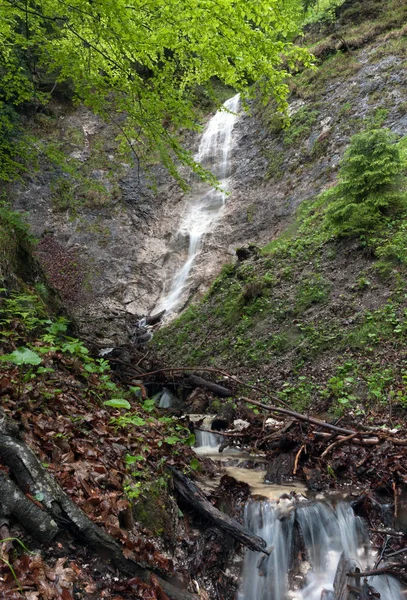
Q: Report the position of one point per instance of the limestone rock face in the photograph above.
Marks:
(127, 242)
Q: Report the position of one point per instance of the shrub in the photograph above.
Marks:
(371, 184)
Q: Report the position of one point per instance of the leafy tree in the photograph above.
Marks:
(143, 60)
(371, 184)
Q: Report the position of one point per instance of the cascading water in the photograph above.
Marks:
(327, 532)
(265, 577)
(207, 441)
(205, 206)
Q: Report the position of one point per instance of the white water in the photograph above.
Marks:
(205, 206)
(206, 441)
(327, 533)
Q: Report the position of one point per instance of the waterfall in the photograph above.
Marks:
(206, 441)
(205, 205)
(328, 532)
(265, 577)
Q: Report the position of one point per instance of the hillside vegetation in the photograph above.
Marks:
(319, 315)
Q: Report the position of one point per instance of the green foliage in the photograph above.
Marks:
(371, 185)
(320, 10)
(300, 126)
(118, 403)
(143, 60)
(22, 356)
(7, 562)
(312, 289)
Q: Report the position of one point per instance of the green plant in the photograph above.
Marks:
(371, 185)
(7, 562)
(21, 358)
(312, 289)
(301, 125)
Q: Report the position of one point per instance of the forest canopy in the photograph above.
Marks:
(140, 59)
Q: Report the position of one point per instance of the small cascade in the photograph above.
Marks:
(205, 205)
(328, 533)
(167, 399)
(265, 577)
(206, 441)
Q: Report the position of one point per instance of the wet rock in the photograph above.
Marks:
(314, 479)
(156, 510)
(280, 469)
(245, 253)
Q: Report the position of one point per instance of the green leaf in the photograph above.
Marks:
(190, 440)
(172, 439)
(149, 405)
(22, 356)
(118, 403)
(194, 464)
(130, 460)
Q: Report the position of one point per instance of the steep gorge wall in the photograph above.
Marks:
(124, 241)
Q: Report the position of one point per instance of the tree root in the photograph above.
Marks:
(53, 511)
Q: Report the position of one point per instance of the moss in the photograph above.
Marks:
(154, 509)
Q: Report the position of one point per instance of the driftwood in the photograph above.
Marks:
(390, 533)
(341, 578)
(193, 496)
(342, 585)
(372, 441)
(219, 390)
(53, 511)
(358, 441)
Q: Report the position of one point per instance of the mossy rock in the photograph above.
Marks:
(157, 511)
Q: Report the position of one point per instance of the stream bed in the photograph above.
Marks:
(312, 541)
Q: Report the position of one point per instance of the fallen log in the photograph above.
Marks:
(219, 390)
(379, 437)
(298, 416)
(193, 496)
(258, 388)
(59, 510)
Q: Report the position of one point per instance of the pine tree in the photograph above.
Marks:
(371, 184)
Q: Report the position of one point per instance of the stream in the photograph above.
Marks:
(308, 538)
(313, 542)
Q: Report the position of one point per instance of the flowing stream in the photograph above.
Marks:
(327, 531)
(205, 205)
(307, 540)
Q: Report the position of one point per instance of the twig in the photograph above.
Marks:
(297, 458)
(384, 546)
(396, 553)
(273, 436)
(337, 443)
(394, 486)
(126, 364)
(390, 533)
